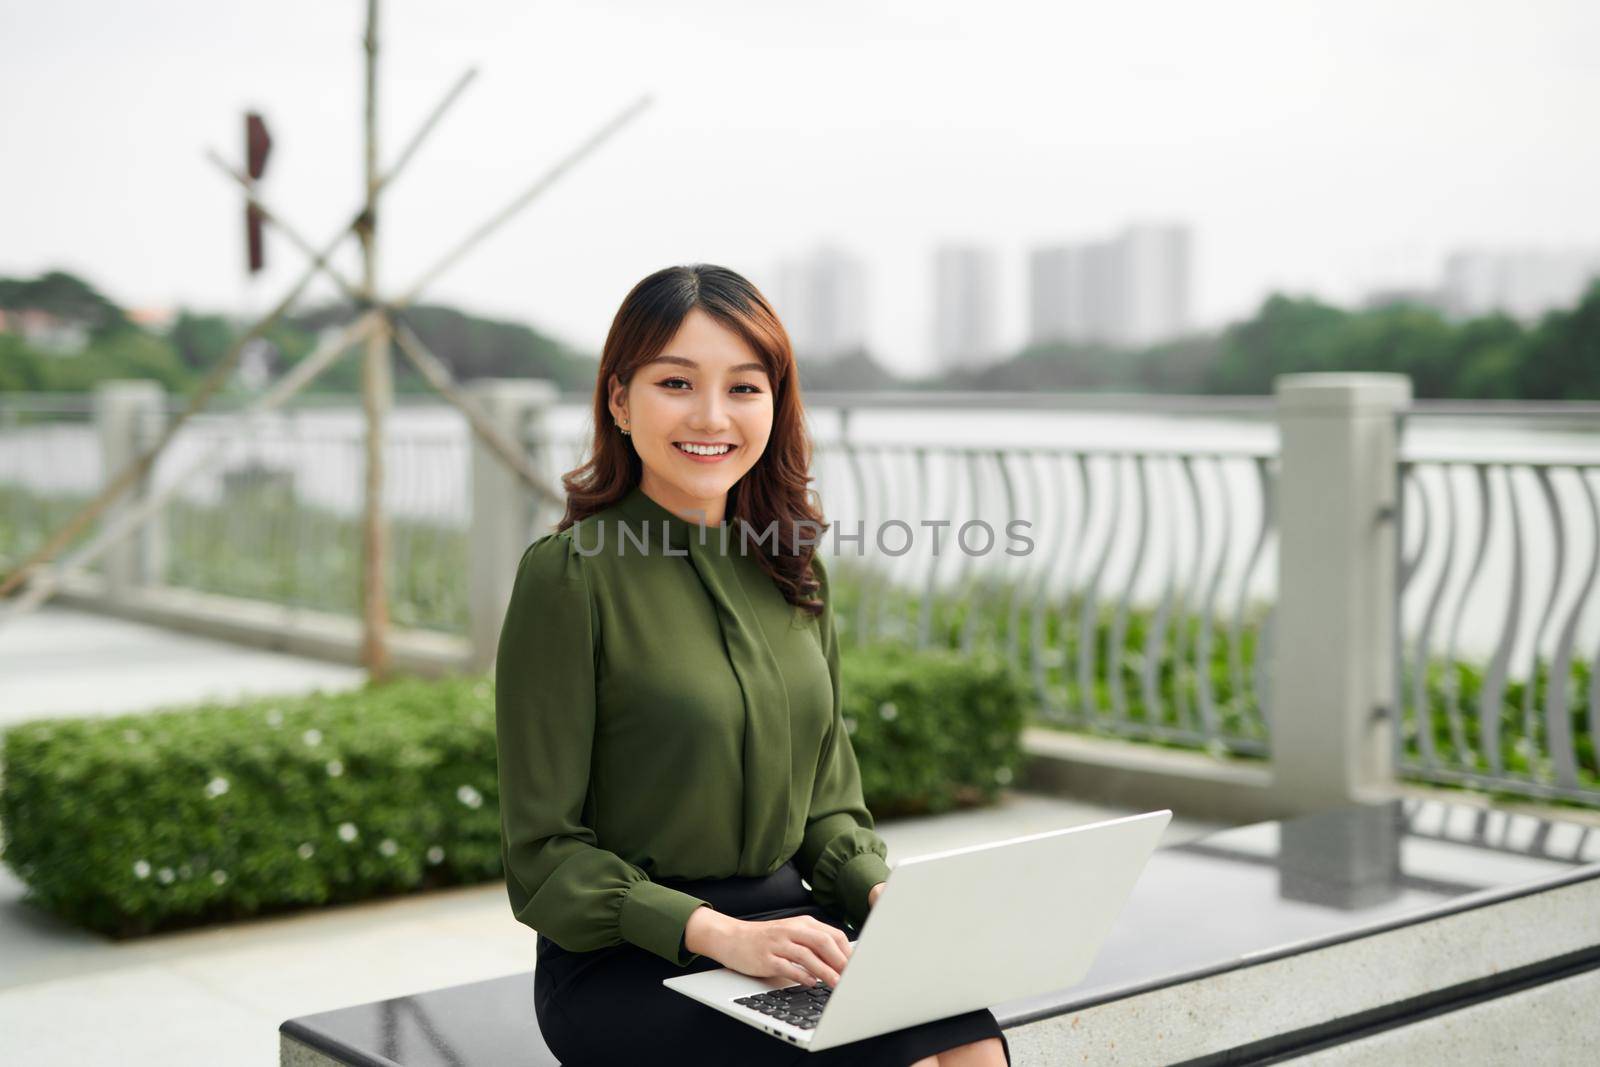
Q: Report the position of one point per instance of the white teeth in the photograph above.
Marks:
(705, 450)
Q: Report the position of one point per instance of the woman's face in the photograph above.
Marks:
(707, 387)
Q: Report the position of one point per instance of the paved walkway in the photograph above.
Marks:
(61, 661)
(217, 995)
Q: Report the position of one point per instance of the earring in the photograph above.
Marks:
(625, 432)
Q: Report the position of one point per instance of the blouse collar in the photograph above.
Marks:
(642, 512)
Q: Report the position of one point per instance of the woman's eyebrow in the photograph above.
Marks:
(691, 363)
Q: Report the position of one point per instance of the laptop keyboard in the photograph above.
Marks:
(796, 1005)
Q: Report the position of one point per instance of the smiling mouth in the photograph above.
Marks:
(704, 453)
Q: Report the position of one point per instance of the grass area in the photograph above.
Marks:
(1169, 700)
(260, 546)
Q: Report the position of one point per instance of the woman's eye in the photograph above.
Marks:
(670, 382)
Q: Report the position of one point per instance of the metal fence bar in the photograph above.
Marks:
(1535, 679)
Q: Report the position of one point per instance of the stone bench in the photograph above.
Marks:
(1409, 931)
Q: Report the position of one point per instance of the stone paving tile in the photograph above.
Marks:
(136, 1017)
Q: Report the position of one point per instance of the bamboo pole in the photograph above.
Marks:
(140, 466)
(377, 387)
(410, 345)
(377, 369)
(524, 198)
(432, 369)
(438, 376)
(432, 120)
(218, 376)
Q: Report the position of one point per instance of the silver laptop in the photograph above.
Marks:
(956, 931)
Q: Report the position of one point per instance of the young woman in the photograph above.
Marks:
(672, 755)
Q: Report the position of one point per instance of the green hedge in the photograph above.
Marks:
(142, 822)
(932, 729)
(138, 823)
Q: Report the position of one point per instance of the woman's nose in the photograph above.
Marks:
(710, 414)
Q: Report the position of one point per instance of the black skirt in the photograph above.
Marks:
(609, 1006)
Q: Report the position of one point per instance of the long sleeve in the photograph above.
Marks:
(561, 883)
(841, 854)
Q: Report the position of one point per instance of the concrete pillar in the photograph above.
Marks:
(129, 415)
(1333, 627)
(506, 516)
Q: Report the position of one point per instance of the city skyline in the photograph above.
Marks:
(1131, 289)
(1354, 165)
(965, 301)
(822, 297)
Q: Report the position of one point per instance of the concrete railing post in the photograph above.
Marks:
(128, 416)
(1333, 653)
(505, 512)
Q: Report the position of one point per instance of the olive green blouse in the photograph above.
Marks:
(663, 712)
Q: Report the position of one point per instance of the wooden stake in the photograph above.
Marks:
(377, 387)
(523, 199)
(219, 375)
(438, 375)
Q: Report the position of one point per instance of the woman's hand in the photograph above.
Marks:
(800, 948)
(874, 893)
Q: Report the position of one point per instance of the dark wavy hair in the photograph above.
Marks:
(773, 494)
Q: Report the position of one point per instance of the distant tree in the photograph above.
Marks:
(1401, 339)
(19, 367)
(65, 296)
(201, 340)
(474, 347)
(848, 373)
(1287, 335)
(1561, 359)
(1488, 350)
(129, 353)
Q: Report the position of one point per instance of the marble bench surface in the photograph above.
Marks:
(1268, 929)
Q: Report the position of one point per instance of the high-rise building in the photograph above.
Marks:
(821, 298)
(1155, 265)
(1523, 283)
(965, 291)
(1133, 289)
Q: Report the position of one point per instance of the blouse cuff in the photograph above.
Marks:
(655, 916)
(855, 880)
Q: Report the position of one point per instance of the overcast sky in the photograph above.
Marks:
(1328, 147)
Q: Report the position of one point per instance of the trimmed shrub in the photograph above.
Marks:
(932, 729)
(138, 823)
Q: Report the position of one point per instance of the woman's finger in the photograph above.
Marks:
(826, 947)
(788, 968)
(801, 953)
(837, 936)
(844, 941)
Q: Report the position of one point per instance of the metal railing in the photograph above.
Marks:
(1139, 607)
(1142, 606)
(277, 516)
(49, 466)
(1497, 658)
